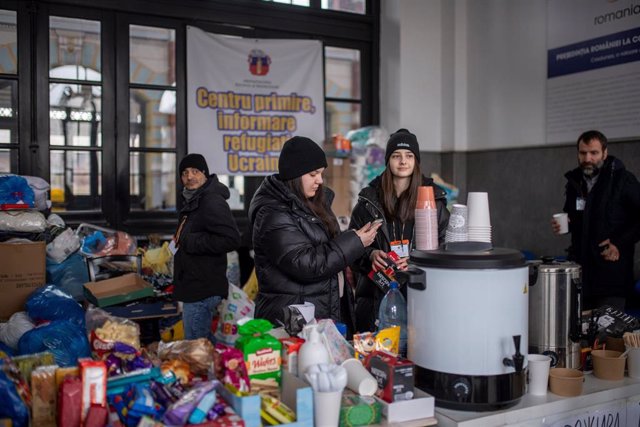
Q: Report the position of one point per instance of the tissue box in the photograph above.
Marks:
(359, 410)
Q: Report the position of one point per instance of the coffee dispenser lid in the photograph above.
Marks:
(469, 255)
(560, 267)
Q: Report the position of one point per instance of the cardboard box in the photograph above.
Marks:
(22, 270)
(129, 287)
(394, 375)
(421, 406)
(145, 309)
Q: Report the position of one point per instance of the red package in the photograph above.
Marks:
(70, 402)
(96, 417)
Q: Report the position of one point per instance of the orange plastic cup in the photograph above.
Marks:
(426, 199)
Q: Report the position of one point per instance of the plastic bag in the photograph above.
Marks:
(63, 338)
(23, 221)
(157, 259)
(11, 404)
(236, 306)
(100, 241)
(105, 330)
(40, 189)
(18, 324)
(63, 245)
(233, 268)
(197, 353)
(69, 275)
(15, 190)
(52, 303)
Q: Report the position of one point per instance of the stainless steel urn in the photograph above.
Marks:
(555, 304)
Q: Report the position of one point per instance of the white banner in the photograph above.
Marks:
(593, 69)
(246, 97)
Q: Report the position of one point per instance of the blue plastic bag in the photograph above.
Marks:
(15, 189)
(70, 275)
(50, 303)
(64, 339)
(11, 404)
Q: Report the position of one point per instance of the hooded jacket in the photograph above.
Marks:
(295, 258)
(611, 211)
(207, 231)
(369, 208)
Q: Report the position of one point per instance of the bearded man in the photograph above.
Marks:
(603, 203)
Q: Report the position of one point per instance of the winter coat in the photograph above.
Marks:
(207, 231)
(296, 260)
(612, 211)
(369, 208)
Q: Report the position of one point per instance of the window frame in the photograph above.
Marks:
(246, 18)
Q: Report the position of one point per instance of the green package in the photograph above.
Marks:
(261, 350)
(359, 410)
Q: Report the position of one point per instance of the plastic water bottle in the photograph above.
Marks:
(393, 312)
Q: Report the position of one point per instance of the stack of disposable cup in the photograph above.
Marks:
(457, 230)
(426, 220)
(479, 219)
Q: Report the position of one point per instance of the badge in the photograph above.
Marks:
(400, 247)
(580, 203)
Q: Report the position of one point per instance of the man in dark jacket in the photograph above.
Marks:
(603, 203)
(207, 231)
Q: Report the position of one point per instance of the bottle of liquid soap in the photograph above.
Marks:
(312, 352)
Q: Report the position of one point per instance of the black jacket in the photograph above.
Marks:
(369, 208)
(612, 211)
(296, 260)
(207, 231)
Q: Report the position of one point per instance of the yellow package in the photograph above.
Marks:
(388, 340)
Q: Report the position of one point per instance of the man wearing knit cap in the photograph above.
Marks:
(206, 232)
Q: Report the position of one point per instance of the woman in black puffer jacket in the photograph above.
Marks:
(392, 198)
(300, 254)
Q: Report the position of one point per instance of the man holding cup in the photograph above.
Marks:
(602, 200)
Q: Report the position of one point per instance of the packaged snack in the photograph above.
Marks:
(359, 410)
(261, 350)
(94, 385)
(364, 344)
(70, 402)
(388, 340)
(178, 413)
(234, 368)
(383, 278)
(290, 348)
(198, 354)
(44, 391)
(274, 412)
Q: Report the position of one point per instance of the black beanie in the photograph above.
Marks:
(300, 155)
(402, 139)
(195, 161)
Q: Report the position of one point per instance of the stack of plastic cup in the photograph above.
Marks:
(457, 230)
(426, 220)
(479, 219)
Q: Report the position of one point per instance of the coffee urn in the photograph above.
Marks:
(467, 324)
(555, 304)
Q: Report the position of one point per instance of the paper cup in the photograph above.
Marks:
(539, 365)
(563, 220)
(608, 365)
(359, 379)
(633, 362)
(326, 408)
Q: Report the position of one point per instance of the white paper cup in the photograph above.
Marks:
(478, 209)
(563, 220)
(633, 362)
(359, 379)
(538, 373)
(326, 408)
